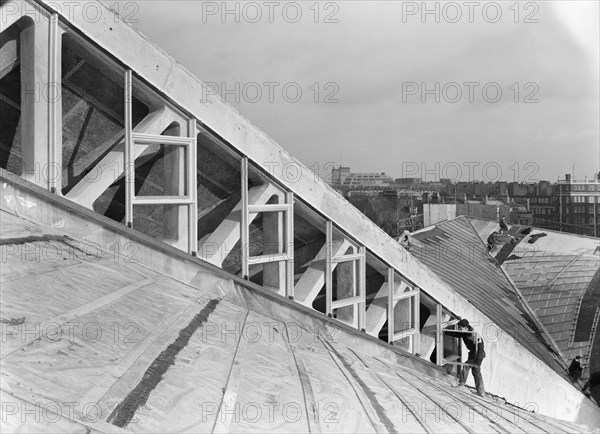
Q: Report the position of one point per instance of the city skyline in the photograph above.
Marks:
(430, 175)
(517, 86)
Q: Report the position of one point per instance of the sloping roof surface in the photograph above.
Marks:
(456, 253)
(557, 242)
(559, 277)
(555, 285)
(128, 348)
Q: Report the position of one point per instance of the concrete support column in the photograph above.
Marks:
(41, 107)
(175, 216)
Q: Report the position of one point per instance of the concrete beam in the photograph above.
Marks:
(428, 341)
(9, 51)
(313, 279)
(218, 245)
(111, 167)
(377, 311)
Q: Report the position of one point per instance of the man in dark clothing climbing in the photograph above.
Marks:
(575, 369)
(474, 344)
(492, 240)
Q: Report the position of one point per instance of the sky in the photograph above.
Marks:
(482, 90)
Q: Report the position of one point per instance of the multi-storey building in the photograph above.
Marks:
(578, 205)
(343, 178)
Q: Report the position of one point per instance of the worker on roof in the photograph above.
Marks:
(503, 225)
(492, 240)
(575, 369)
(405, 238)
(474, 344)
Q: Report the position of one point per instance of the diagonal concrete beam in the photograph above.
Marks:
(110, 168)
(9, 53)
(313, 279)
(377, 311)
(428, 341)
(218, 245)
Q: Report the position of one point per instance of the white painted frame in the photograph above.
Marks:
(189, 143)
(287, 256)
(414, 331)
(359, 300)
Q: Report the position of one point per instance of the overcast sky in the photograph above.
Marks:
(374, 61)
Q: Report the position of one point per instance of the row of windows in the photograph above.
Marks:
(589, 206)
(545, 211)
(565, 199)
(582, 219)
(583, 199)
(579, 199)
(580, 187)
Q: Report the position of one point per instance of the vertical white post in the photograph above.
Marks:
(355, 288)
(417, 335)
(439, 336)
(54, 107)
(328, 267)
(192, 189)
(289, 246)
(362, 287)
(391, 285)
(129, 169)
(244, 229)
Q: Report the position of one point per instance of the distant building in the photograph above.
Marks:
(567, 206)
(578, 205)
(540, 202)
(407, 181)
(434, 213)
(339, 175)
(342, 178)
